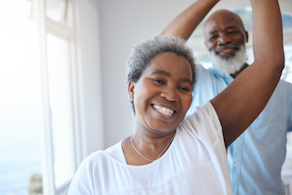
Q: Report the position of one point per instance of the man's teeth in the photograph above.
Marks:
(163, 110)
(226, 50)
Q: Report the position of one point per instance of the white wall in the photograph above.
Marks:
(89, 72)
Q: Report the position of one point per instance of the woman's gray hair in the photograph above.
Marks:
(141, 55)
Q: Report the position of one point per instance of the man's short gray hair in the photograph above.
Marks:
(141, 55)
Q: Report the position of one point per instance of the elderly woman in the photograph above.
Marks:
(170, 154)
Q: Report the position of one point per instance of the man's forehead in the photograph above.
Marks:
(212, 26)
(223, 20)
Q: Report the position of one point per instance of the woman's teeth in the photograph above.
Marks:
(163, 110)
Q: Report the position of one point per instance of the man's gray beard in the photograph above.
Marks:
(231, 64)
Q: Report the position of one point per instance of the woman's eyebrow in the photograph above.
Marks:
(161, 72)
(186, 80)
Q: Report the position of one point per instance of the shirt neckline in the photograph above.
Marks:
(150, 164)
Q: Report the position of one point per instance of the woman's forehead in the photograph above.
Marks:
(167, 57)
(172, 63)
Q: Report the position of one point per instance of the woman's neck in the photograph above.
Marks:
(146, 147)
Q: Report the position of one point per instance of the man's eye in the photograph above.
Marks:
(213, 38)
(158, 81)
(232, 32)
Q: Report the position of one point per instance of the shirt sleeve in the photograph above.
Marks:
(290, 117)
(205, 125)
(199, 71)
(82, 182)
(290, 123)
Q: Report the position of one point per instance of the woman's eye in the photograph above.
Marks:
(158, 81)
(183, 89)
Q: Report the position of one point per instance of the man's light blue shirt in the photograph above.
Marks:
(255, 159)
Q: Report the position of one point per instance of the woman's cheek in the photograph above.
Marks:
(188, 101)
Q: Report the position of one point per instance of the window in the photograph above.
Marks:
(39, 117)
(20, 100)
(60, 102)
(60, 93)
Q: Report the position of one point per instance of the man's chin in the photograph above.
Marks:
(229, 68)
(226, 56)
(229, 63)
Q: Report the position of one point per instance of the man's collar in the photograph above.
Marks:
(222, 74)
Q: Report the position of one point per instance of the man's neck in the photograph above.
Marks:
(234, 75)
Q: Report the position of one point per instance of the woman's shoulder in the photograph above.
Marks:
(95, 162)
(91, 172)
(203, 124)
(114, 148)
(103, 155)
(95, 158)
(205, 114)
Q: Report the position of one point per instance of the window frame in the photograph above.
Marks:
(60, 30)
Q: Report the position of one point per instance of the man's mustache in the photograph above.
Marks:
(222, 47)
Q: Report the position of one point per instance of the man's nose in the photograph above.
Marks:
(223, 39)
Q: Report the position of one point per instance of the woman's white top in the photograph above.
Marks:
(195, 163)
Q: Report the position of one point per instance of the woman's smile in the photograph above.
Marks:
(164, 112)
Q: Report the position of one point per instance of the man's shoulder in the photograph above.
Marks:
(200, 67)
(284, 87)
(281, 96)
(203, 71)
(285, 83)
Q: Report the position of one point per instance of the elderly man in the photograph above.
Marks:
(255, 159)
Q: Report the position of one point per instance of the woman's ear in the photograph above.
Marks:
(131, 87)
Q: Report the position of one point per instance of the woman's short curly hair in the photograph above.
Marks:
(141, 55)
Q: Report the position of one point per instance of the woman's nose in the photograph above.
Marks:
(169, 95)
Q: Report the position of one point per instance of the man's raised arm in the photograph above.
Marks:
(185, 23)
(243, 100)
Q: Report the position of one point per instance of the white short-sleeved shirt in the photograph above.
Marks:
(195, 163)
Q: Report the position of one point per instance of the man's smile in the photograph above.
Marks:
(227, 51)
